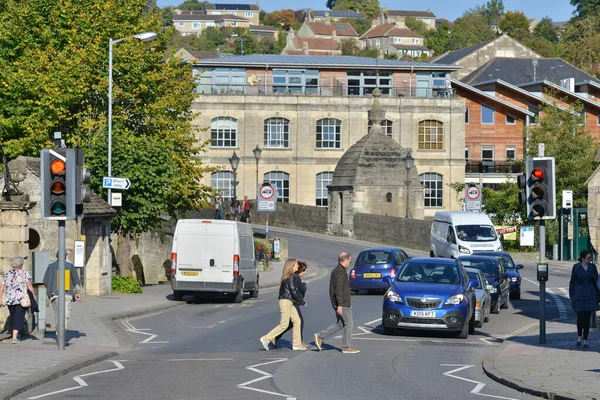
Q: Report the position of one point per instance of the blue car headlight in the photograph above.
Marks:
(455, 300)
(513, 279)
(393, 296)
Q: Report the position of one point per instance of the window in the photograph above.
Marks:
(487, 152)
(377, 42)
(466, 115)
(277, 133)
(221, 80)
(397, 40)
(281, 181)
(434, 189)
(511, 153)
(221, 181)
(323, 179)
(363, 82)
(289, 81)
(233, 23)
(181, 23)
(249, 14)
(223, 132)
(431, 135)
(487, 114)
(195, 25)
(415, 41)
(329, 133)
(598, 119)
(385, 127)
(467, 153)
(536, 114)
(510, 120)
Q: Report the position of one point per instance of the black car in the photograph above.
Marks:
(511, 270)
(495, 275)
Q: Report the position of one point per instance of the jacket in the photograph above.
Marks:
(51, 280)
(339, 287)
(290, 289)
(582, 288)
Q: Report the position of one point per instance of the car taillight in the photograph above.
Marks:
(236, 265)
(393, 273)
(353, 274)
(477, 304)
(173, 265)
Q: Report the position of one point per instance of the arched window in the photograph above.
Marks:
(281, 181)
(277, 133)
(221, 181)
(329, 133)
(223, 131)
(434, 189)
(386, 127)
(323, 179)
(431, 135)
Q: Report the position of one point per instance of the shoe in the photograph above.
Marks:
(275, 343)
(299, 348)
(265, 343)
(586, 346)
(16, 341)
(318, 342)
(306, 345)
(350, 350)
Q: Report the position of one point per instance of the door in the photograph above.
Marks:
(451, 246)
(191, 254)
(220, 243)
(504, 283)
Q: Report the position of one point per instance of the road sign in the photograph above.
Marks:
(266, 192)
(472, 197)
(117, 199)
(115, 183)
(567, 199)
(267, 201)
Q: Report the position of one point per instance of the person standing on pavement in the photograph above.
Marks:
(339, 293)
(219, 207)
(302, 267)
(15, 284)
(289, 294)
(72, 288)
(247, 207)
(235, 208)
(584, 294)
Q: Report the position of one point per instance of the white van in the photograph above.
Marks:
(461, 233)
(213, 256)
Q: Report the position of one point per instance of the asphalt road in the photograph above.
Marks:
(210, 349)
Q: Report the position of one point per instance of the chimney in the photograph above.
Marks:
(334, 34)
(308, 16)
(305, 48)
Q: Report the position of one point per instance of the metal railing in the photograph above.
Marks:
(493, 167)
(325, 91)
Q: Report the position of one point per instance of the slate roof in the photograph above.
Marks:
(389, 30)
(320, 53)
(520, 70)
(490, 97)
(409, 13)
(322, 28)
(236, 7)
(453, 56)
(336, 14)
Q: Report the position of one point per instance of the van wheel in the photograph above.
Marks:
(239, 296)
(177, 296)
(254, 293)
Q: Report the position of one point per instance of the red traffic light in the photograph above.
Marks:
(538, 173)
(57, 167)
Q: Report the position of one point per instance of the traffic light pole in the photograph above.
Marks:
(60, 329)
(542, 283)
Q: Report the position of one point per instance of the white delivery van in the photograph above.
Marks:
(461, 233)
(213, 256)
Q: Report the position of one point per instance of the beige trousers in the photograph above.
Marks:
(68, 300)
(287, 311)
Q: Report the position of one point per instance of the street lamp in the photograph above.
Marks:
(257, 151)
(144, 37)
(409, 161)
(234, 160)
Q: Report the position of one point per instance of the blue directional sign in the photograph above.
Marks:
(115, 183)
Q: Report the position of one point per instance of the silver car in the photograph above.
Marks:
(483, 298)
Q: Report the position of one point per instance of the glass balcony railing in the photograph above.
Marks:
(493, 167)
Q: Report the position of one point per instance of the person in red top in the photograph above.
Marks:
(246, 206)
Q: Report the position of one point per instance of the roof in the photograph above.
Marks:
(409, 13)
(520, 70)
(560, 25)
(236, 7)
(490, 97)
(322, 62)
(410, 47)
(563, 90)
(204, 54)
(301, 52)
(336, 14)
(316, 43)
(454, 56)
(389, 30)
(322, 28)
(202, 17)
(98, 207)
(263, 28)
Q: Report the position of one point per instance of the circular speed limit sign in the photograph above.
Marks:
(473, 193)
(267, 192)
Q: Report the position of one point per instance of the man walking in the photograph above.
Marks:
(339, 293)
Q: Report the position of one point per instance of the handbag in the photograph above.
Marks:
(25, 301)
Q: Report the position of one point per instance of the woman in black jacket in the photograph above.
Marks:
(302, 286)
(289, 294)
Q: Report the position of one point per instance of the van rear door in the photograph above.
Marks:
(191, 253)
(221, 241)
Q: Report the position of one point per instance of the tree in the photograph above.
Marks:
(349, 47)
(416, 25)
(516, 25)
(54, 62)
(546, 30)
(368, 8)
(541, 46)
(360, 25)
(491, 12)
(503, 205)
(580, 44)
(438, 39)
(468, 30)
(192, 5)
(585, 8)
(246, 43)
(280, 18)
(213, 38)
(330, 4)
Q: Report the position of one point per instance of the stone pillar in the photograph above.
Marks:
(14, 235)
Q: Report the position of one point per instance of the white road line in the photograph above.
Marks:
(200, 359)
(148, 340)
(265, 375)
(80, 381)
(562, 311)
(378, 320)
(478, 385)
(530, 281)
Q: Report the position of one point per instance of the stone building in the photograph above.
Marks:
(593, 207)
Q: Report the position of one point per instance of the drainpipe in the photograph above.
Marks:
(410, 82)
(266, 68)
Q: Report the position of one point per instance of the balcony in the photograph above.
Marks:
(493, 167)
(325, 91)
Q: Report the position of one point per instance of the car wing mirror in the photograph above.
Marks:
(387, 279)
(472, 283)
(520, 266)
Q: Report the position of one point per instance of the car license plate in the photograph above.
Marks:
(423, 314)
(372, 275)
(189, 273)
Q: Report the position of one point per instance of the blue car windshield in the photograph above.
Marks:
(488, 268)
(429, 273)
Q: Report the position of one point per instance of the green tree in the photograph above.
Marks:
(280, 18)
(468, 30)
(438, 39)
(546, 30)
(516, 25)
(541, 46)
(491, 12)
(54, 61)
(192, 5)
(580, 44)
(330, 4)
(213, 38)
(349, 47)
(503, 205)
(246, 43)
(416, 25)
(368, 8)
(360, 25)
(585, 8)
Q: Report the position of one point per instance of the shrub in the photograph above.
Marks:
(126, 284)
(263, 244)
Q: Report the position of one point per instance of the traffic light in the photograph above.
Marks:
(522, 183)
(82, 178)
(58, 184)
(541, 188)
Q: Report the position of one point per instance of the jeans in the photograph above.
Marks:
(288, 311)
(345, 322)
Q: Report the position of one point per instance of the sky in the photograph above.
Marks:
(557, 10)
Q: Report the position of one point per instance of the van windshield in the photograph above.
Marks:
(476, 233)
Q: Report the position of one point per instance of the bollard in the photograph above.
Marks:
(555, 251)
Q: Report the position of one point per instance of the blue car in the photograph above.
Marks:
(430, 294)
(494, 273)
(373, 265)
(510, 269)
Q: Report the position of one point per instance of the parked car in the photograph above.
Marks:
(483, 298)
(511, 270)
(494, 273)
(373, 265)
(430, 294)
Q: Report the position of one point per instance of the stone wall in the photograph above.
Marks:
(393, 231)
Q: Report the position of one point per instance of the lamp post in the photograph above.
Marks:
(144, 37)
(409, 161)
(234, 160)
(257, 152)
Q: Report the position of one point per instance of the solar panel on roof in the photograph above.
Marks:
(340, 27)
(232, 6)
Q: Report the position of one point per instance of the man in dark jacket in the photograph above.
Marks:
(339, 293)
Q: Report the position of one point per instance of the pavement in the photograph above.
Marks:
(95, 334)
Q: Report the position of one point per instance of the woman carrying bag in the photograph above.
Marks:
(17, 284)
(584, 294)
